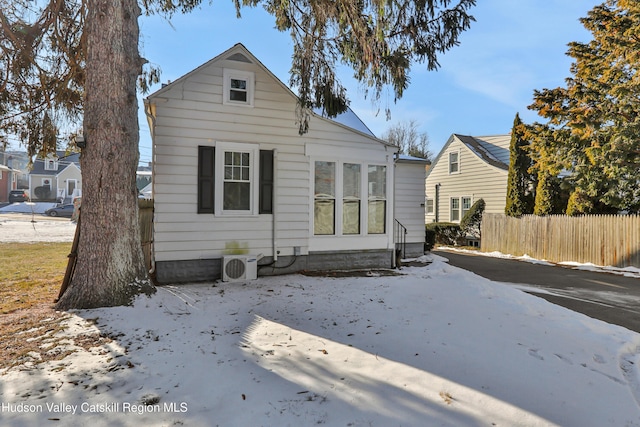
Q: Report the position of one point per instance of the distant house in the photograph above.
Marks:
(235, 185)
(467, 169)
(10, 174)
(56, 177)
(7, 182)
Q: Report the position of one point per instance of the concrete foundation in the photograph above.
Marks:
(211, 269)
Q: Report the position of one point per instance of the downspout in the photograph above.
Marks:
(152, 121)
(396, 157)
(437, 202)
(275, 206)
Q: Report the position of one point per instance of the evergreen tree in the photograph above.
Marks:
(472, 220)
(547, 195)
(519, 180)
(594, 118)
(66, 61)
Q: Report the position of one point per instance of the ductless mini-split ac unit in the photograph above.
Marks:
(236, 268)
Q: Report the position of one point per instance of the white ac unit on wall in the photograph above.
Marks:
(236, 268)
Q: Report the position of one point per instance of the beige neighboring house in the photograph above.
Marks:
(468, 168)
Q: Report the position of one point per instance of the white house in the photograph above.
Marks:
(232, 178)
(467, 169)
(409, 204)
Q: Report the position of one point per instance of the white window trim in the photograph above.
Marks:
(461, 210)
(254, 160)
(428, 211)
(449, 163)
(50, 165)
(339, 198)
(229, 74)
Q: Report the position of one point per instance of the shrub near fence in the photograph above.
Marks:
(599, 239)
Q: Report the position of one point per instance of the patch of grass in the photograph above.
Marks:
(30, 278)
(31, 274)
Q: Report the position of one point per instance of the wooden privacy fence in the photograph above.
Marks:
(599, 239)
(145, 219)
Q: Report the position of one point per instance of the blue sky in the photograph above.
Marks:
(513, 48)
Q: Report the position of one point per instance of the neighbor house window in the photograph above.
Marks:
(50, 165)
(454, 162)
(351, 198)
(324, 198)
(455, 209)
(466, 206)
(459, 207)
(235, 179)
(377, 203)
(238, 87)
(428, 206)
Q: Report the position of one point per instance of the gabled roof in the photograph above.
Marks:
(481, 151)
(64, 161)
(489, 149)
(239, 52)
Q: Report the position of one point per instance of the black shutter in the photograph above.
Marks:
(266, 182)
(206, 179)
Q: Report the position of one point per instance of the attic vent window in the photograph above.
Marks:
(50, 165)
(239, 58)
(238, 87)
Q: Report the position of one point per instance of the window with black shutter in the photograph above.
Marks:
(266, 182)
(206, 179)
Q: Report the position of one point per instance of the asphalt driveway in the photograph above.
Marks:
(612, 298)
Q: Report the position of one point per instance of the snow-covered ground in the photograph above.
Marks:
(27, 207)
(25, 228)
(434, 346)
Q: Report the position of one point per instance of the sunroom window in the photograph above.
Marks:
(377, 199)
(351, 198)
(324, 198)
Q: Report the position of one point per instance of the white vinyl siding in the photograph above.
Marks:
(409, 199)
(477, 179)
(191, 113)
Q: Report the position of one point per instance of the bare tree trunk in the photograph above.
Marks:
(110, 268)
